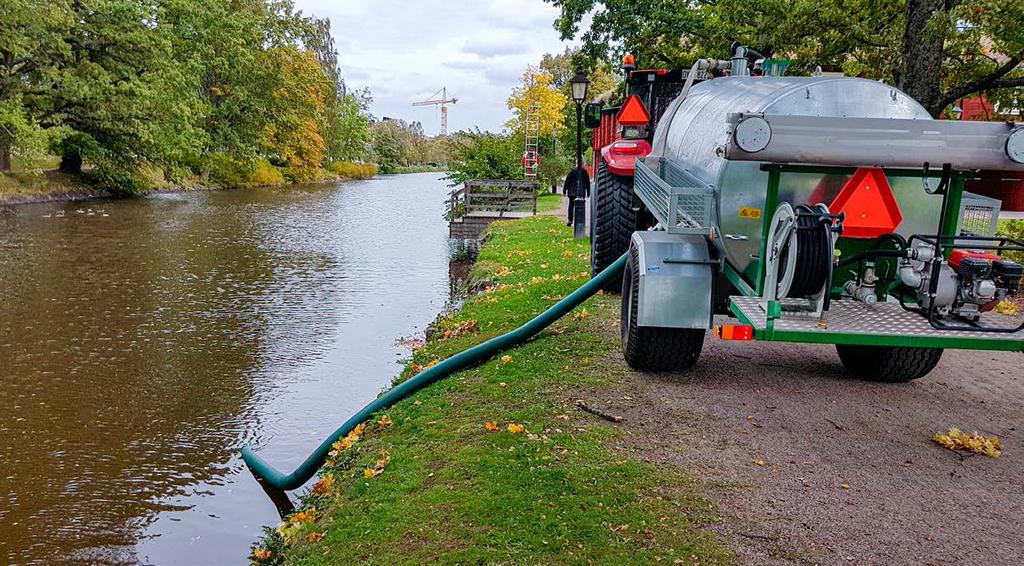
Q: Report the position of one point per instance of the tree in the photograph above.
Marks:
(484, 155)
(936, 50)
(537, 91)
(30, 43)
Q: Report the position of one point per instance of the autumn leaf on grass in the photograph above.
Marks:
(504, 271)
(506, 359)
(567, 253)
(581, 315)
(315, 537)
(303, 516)
(515, 428)
(378, 468)
(491, 426)
(384, 421)
(262, 554)
(956, 439)
(324, 485)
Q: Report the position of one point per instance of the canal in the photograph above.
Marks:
(143, 341)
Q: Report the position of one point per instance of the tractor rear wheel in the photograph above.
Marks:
(612, 219)
(648, 348)
(888, 364)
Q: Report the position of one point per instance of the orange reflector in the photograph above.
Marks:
(633, 113)
(735, 332)
(870, 206)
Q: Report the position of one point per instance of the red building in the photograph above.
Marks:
(1007, 186)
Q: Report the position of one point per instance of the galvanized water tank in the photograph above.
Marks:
(699, 129)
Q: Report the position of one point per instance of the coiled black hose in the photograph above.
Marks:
(814, 252)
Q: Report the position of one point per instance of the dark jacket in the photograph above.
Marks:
(577, 183)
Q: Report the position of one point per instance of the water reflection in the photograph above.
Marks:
(142, 341)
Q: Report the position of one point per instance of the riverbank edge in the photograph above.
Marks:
(81, 191)
(497, 464)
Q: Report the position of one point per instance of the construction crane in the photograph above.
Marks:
(443, 102)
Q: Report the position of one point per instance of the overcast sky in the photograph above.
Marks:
(405, 50)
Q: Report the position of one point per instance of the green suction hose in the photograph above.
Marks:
(268, 476)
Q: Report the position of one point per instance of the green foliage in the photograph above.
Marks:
(118, 85)
(484, 155)
(227, 171)
(1012, 229)
(398, 144)
(979, 43)
(350, 170)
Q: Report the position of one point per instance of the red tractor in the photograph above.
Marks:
(621, 135)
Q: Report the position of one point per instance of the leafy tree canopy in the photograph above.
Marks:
(936, 50)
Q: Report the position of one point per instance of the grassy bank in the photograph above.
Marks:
(406, 169)
(28, 184)
(496, 465)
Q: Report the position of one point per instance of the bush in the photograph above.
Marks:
(265, 174)
(351, 170)
(119, 180)
(1012, 229)
(228, 172)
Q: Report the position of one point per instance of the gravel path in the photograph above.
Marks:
(850, 474)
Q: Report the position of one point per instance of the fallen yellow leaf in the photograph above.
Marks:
(506, 359)
(758, 462)
(567, 253)
(491, 426)
(515, 428)
(1007, 307)
(262, 554)
(314, 537)
(384, 421)
(324, 485)
(956, 439)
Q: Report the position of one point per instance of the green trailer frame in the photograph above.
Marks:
(853, 322)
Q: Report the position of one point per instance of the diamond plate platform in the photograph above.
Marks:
(852, 322)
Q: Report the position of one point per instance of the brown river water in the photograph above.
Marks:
(143, 341)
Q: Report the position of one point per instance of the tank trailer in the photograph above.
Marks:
(826, 210)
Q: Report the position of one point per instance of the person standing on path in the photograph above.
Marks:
(577, 185)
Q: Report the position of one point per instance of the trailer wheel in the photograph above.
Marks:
(888, 364)
(612, 219)
(648, 348)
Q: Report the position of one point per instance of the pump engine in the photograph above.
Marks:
(967, 285)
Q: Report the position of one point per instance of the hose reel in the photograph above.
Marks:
(801, 247)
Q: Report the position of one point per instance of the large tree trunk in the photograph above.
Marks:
(5, 156)
(71, 162)
(922, 54)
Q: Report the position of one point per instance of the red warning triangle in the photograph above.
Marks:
(633, 113)
(870, 205)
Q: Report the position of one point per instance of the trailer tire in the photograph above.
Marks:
(612, 219)
(648, 348)
(888, 364)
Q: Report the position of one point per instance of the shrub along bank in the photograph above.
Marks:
(495, 464)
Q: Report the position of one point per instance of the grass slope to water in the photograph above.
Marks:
(429, 482)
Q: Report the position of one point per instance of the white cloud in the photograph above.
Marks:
(406, 50)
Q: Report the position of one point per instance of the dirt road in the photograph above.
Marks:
(850, 474)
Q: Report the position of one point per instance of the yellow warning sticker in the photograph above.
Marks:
(750, 212)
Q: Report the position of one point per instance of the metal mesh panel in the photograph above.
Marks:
(979, 215)
(675, 198)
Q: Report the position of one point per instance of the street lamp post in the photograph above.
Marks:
(579, 85)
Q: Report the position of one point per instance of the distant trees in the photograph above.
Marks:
(397, 143)
(180, 85)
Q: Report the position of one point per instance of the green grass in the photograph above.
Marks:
(455, 493)
(548, 201)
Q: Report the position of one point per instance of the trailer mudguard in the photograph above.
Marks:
(676, 273)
